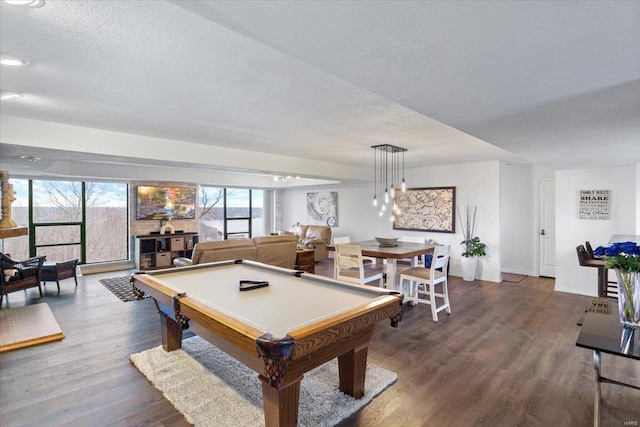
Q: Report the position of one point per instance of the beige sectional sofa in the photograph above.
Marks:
(315, 237)
(274, 250)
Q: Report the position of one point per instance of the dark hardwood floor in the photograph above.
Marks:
(506, 356)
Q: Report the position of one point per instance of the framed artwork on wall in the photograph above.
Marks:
(594, 204)
(322, 208)
(426, 209)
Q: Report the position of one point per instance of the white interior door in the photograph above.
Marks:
(547, 231)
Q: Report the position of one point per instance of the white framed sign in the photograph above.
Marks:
(594, 204)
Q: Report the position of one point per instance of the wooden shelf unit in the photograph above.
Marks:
(159, 250)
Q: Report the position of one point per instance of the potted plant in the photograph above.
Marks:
(625, 259)
(472, 247)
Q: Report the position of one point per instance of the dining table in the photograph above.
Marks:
(602, 332)
(617, 238)
(393, 253)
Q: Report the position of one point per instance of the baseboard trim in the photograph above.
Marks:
(107, 267)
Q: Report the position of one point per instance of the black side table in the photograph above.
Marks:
(602, 332)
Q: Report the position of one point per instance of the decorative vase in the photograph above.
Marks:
(469, 264)
(629, 297)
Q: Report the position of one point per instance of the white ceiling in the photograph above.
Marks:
(315, 84)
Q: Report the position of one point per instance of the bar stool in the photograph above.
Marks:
(607, 288)
(586, 261)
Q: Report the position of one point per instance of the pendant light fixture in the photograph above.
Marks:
(386, 176)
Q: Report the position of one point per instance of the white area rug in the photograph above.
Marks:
(212, 389)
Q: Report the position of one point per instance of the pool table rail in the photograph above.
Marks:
(309, 338)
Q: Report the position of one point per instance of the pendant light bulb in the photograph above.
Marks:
(386, 196)
(375, 201)
(393, 191)
(404, 186)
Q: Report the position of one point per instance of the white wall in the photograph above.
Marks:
(571, 231)
(518, 240)
(519, 214)
(476, 183)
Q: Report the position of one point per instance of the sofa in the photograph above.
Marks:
(273, 250)
(315, 237)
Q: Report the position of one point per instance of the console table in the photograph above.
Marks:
(602, 332)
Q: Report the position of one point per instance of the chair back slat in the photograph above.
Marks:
(440, 262)
(341, 240)
(582, 255)
(589, 250)
(349, 258)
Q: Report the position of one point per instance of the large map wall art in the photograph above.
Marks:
(427, 209)
(322, 208)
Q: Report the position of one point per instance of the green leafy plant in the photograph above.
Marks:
(471, 245)
(623, 262)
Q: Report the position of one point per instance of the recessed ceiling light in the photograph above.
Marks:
(7, 94)
(30, 3)
(11, 60)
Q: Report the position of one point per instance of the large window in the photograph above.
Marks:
(107, 221)
(18, 247)
(211, 221)
(70, 219)
(227, 213)
(257, 213)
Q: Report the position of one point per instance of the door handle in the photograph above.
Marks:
(542, 232)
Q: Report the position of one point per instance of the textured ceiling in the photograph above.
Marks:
(545, 82)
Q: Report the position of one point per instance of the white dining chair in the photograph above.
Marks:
(341, 240)
(350, 267)
(424, 281)
(347, 239)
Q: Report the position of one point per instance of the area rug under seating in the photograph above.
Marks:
(212, 389)
(26, 326)
(120, 287)
(513, 278)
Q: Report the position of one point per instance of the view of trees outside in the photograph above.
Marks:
(107, 222)
(211, 220)
(57, 215)
(212, 207)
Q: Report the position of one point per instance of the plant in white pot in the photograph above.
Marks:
(472, 247)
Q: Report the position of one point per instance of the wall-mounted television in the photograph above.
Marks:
(165, 203)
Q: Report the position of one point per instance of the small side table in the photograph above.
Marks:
(56, 271)
(305, 260)
(602, 332)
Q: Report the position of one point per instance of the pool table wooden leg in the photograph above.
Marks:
(281, 403)
(352, 367)
(171, 333)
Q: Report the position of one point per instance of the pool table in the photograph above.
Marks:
(296, 323)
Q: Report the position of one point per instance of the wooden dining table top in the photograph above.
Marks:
(372, 248)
